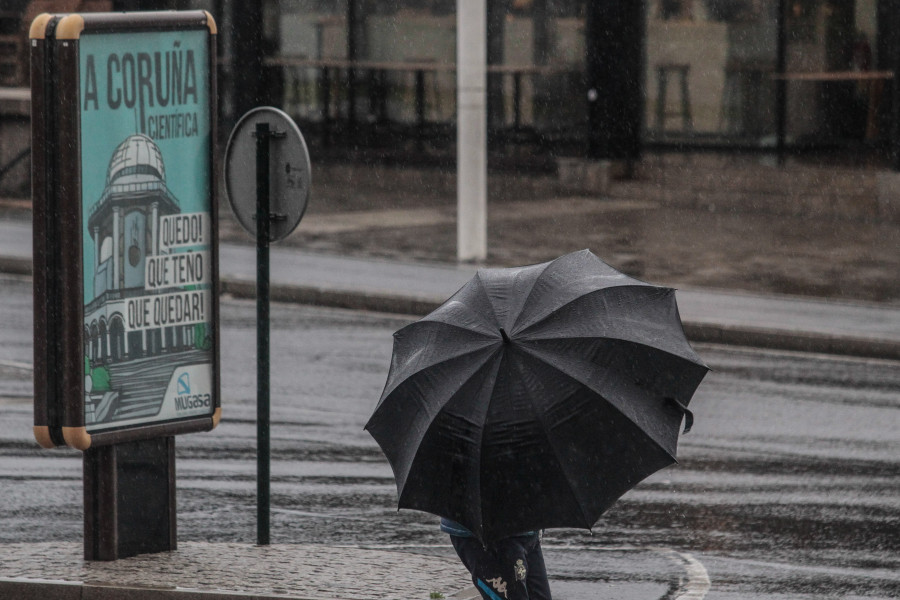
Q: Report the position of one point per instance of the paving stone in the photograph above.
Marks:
(211, 570)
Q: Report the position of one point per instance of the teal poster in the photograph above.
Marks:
(145, 151)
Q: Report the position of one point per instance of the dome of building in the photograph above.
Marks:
(136, 160)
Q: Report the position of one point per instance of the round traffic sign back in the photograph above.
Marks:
(289, 172)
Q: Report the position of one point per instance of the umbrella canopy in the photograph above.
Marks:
(536, 396)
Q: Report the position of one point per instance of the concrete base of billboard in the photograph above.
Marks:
(129, 499)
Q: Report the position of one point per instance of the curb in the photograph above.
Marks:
(32, 589)
(796, 341)
(38, 589)
(206, 571)
(730, 335)
(16, 266)
(334, 298)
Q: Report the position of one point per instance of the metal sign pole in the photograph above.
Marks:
(281, 191)
(263, 454)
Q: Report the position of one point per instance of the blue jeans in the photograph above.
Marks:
(511, 569)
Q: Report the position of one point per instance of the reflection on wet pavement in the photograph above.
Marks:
(787, 487)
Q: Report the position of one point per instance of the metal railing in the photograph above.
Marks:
(417, 99)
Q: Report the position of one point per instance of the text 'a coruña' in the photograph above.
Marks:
(143, 80)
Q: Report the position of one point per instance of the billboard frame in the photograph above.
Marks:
(59, 222)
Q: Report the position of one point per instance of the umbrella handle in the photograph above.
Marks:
(685, 411)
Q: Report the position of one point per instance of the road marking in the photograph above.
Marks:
(876, 574)
(694, 585)
(315, 515)
(697, 583)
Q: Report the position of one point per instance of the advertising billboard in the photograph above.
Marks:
(126, 281)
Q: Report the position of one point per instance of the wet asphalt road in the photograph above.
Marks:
(788, 487)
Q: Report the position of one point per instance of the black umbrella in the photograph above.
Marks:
(536, 396)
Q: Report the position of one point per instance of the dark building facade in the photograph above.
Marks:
(565, 77)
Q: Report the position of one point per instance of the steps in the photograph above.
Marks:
(142, 383)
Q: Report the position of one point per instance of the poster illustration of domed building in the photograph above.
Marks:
(146, 238)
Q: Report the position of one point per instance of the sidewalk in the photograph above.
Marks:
(207, 571)
(415, 288)
(230, 571)
(219, 571)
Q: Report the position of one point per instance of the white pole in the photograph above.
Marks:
(471, 130)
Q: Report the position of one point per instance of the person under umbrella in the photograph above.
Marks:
(512, 568)
(534, 398)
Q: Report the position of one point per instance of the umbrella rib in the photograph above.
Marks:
(444, 360)
(599, 394)
(694, 359)
(562, 468)
(540, 419)
(522, 329)
(530, 293)
(487, 297)
(446, 308)
(495, 369)
(466, 329)
(490, 366)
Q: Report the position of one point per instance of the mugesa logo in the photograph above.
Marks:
(189, 393)
(192, 401)
(184, 383)
(186, 399)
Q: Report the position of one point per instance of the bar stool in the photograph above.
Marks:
(663, 70)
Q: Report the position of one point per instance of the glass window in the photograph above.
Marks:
(709, 70)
